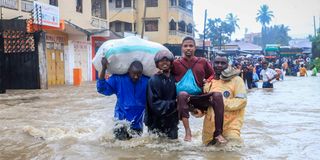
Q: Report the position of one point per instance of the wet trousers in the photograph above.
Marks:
(215, 101)
(170, 133)
(123, 133)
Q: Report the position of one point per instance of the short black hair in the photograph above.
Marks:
(136, 66)
(189, 38)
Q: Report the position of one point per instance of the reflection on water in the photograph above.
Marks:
(76, 123)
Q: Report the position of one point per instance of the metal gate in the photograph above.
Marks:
(19, 56)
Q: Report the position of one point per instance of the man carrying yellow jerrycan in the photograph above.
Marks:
(226, 81)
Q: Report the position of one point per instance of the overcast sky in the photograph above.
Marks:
(297, 14)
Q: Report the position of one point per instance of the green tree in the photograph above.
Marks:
(264, 16)
(219, 31)
(232, 20)
(315, 45)
(277, 34)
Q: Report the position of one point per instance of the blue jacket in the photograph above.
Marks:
(131, 97)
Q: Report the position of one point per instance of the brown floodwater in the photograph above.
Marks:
(68, 123)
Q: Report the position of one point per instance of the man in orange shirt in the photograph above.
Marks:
(303, 71)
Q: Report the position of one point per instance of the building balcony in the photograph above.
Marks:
(181, 9)
(179, 33)
(12, 4)
(99, 23)
(26, 6)
(126, 15)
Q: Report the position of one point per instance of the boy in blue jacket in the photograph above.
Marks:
(130, 90)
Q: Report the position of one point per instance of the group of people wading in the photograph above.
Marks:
(185, 85)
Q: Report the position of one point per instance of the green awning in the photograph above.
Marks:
(274, 48)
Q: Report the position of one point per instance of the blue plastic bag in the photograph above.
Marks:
(188, 84)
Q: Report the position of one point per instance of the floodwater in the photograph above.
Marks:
(70, 123)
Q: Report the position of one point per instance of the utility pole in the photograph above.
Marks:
(314, 26)
(204, 29)
(1, 12)
(144, 17)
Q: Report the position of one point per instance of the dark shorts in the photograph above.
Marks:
(267, 85)
(170, 133)
(123, 133)
(201, 102)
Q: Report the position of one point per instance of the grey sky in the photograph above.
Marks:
(297, 14)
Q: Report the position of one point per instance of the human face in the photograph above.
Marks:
(188, 48)
(220, 64)
(164, 65)
(264, 65)
(135, 75)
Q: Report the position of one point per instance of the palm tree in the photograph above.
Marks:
(232, 23)
(232, 19)
(264, 15)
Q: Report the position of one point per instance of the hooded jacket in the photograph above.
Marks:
(161, 110)
(131, 97)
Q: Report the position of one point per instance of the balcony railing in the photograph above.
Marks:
(99, 23)
(187, 11)
(179, 33)
(12, 4)
(26, 6)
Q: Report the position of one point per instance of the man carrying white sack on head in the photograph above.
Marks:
(130, 89)
(130, 60)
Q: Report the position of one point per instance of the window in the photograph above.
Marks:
(127, 3)
(182, 26)
(151, 25)
(151, 3)
(173, 2)
(189, 28)
(128, 27)
(53, 2)
(182, 3)
(118, 3)
(9, 4)
(117, 26)
(189, 6)
(172, 25)
(110, 1)
(98, 8)
(79, 6)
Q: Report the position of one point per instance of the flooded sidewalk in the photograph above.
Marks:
(68, 122)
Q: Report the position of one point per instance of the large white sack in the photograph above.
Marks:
(122, 52)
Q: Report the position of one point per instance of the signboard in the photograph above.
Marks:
(46, 15)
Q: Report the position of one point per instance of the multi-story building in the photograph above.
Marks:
(164, 21)
(84, 25)
(251, 37)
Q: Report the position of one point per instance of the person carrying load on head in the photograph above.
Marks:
(130, 89)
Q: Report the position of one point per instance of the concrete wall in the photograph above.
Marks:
(42, 61)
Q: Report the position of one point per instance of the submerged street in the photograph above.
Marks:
(70, 122)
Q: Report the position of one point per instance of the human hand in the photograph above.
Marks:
(104, 63)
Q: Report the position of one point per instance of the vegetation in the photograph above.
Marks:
(219, 31)
(315, 45)
(264, 15)
(277, 34)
